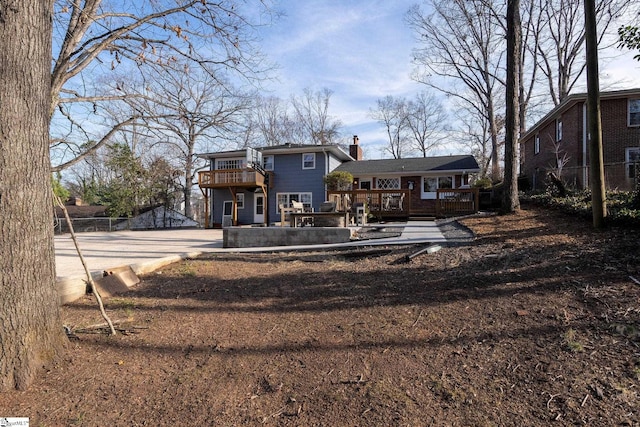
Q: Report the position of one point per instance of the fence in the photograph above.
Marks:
(81, 225)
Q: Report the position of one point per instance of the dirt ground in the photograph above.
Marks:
(535, 322)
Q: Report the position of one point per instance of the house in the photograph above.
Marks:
(558, 143)
(417, 181)
(262, 180)
(251, 186)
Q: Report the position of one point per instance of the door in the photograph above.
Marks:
(258, 209)
(227, 213)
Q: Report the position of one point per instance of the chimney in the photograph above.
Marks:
(354, 149)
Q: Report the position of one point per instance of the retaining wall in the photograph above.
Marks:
(246, 237)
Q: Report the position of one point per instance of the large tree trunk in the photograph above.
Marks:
(510, 202)
(31, 333)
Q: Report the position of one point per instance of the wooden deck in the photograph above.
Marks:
(397, 203)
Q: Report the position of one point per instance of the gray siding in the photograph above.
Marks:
(289, 177)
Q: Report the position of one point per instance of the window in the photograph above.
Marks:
(285, 199)
(229, 164)
(632, 161)
(432, 183)
(388, 183)
(536, 145)
(365, 185)
(634, 112)
(240, 200)
(267, 163)
(559, 130)
(309, 161)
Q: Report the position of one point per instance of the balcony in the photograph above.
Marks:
(225, 178)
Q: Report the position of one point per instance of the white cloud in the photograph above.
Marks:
(361, 50)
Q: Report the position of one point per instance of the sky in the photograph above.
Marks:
(361, 50)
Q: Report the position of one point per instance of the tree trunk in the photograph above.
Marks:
(31, 331)
(495, 148)
(510, 201)
(594, 124)
(188, 174)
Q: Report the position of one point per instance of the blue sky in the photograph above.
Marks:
(361, 50)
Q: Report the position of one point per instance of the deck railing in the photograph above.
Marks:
(379, 203)
(397, 203)
(459, 201)
(230, 177)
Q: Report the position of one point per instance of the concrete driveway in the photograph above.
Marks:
(106, 250)
(146, 251)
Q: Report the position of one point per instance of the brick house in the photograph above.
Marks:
(559, 142)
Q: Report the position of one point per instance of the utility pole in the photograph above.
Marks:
(594, 124)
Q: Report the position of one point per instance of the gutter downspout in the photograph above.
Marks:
(326, 170)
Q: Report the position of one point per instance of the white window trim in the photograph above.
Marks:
(425, 195)
(363, 180)
(239, 159)
(272, 163)
(305, 197)
(627, 160)
(303, 160)
(536, 144)
(240, 200)
(397, 178)
(629, 102)
(559, 129)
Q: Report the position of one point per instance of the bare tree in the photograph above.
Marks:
(32, 334)
(275, 124)
(93, 38)
(312, 114)
(391, 113)
(461, 40)
(190, 110)
(510, 201)
(426, 121)
(561, 44)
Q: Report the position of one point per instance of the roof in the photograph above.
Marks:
(463, 163)
(572, 100)
(334, 149)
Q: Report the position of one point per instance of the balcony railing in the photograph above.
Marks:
(230, 178)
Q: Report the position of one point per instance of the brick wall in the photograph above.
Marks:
(616, 137)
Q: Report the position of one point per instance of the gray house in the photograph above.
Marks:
(249, 186)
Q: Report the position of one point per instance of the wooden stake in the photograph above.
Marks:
(84, 264)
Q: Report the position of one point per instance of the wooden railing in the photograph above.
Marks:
(390, 203)
(379, 203)
(230, 177)
(459, 201)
